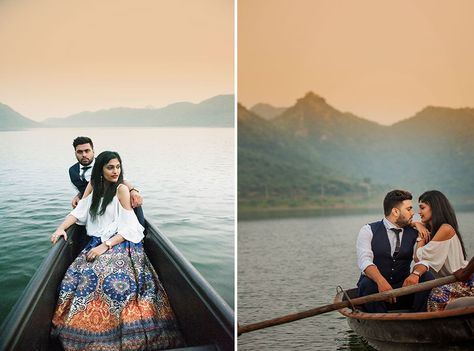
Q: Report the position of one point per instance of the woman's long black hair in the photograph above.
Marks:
(101, 187)
(441, 212)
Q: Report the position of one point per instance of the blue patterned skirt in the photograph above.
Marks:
(441, 295)
(115, 302)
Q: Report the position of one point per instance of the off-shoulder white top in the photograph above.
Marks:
(443, 257)
(116, 219)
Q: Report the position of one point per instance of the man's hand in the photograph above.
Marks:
(383, 285)
(412, 279)
(462, 275)
(75, 201)
(135, 198)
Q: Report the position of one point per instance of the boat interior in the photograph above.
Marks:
(206, 321)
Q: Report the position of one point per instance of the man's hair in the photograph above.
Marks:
(82, 140)
(393, 199)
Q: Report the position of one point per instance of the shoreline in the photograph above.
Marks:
(272, 212)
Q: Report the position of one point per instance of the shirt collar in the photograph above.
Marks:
(389, 225)
(89, 165)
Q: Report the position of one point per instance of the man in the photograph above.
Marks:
(384, 255)
(80, 175)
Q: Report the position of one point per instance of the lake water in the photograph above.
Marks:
(186, 176)
(290, 265)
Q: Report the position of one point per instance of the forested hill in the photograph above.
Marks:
(432, 149)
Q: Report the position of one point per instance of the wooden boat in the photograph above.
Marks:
(206, 320)
(398, 330)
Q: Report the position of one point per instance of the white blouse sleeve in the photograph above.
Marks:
(128, 226)
(81, 212)
(434, 254)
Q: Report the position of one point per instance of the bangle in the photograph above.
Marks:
(133, 190)
(416, 273)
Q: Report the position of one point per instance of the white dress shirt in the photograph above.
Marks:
(88, 173)
(365, 255)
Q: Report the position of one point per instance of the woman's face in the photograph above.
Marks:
(425, 212)
(112, 170)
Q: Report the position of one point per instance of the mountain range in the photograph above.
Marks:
(217, 111)
(312, 151)
(12, 120)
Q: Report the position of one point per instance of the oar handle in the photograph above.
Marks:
(338, 305)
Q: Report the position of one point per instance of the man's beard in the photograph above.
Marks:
(402, 221)
(86, 164)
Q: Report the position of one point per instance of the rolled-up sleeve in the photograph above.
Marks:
(365, 256)
(81, 212)
(128, 226)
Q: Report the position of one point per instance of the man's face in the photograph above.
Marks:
(85, 154)
(405, 214)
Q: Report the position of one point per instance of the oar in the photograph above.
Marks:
(357, 301)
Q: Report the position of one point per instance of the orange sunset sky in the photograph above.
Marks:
(63, 57)
(382, 60)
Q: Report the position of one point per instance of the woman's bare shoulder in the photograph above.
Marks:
(445, 232)
(124, 196)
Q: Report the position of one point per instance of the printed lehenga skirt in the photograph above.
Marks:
(441, 295)
(115, 302)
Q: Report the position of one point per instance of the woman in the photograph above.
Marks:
(110, 297)
(441, 247)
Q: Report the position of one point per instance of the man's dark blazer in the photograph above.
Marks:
(75, 176)
(81, 185)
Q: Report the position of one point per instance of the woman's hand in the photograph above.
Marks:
(95, 252)
(423, 232)
(57, 234)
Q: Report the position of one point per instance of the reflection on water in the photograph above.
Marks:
(348, 340)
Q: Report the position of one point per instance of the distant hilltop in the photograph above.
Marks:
(311, 151)
(12, 120)
(217, 111)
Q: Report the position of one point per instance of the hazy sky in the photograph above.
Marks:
(382, 60)
(60, 57)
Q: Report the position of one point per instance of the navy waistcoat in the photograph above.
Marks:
(75, 176)
(394, 269)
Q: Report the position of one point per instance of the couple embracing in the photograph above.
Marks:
(397, 251)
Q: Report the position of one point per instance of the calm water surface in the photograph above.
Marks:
(186, 176)
(290, 265)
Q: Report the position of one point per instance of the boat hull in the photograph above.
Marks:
(206, 321)
(446, 330)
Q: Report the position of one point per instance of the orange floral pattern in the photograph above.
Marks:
(114, 303)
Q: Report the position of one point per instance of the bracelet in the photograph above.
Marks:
(416, 273)
(133, 190)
